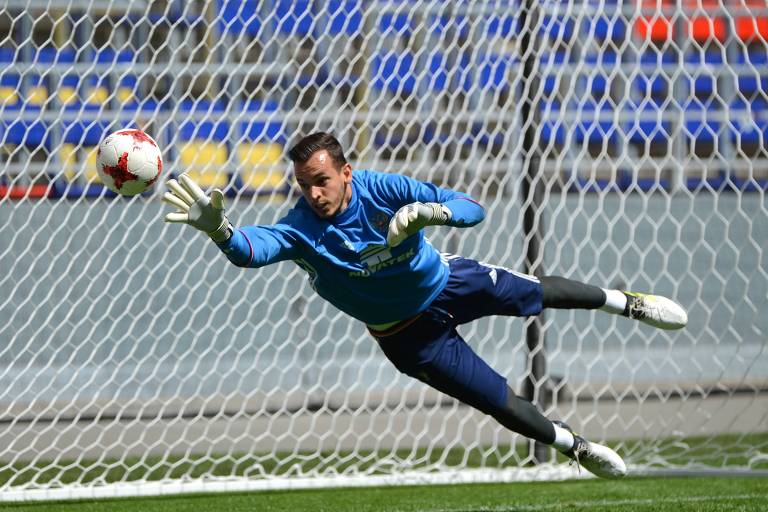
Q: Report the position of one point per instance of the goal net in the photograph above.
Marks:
(135, 359)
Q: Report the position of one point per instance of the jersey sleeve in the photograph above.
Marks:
(257, 246)
(399, 190)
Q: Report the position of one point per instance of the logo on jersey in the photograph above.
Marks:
(380, 222)
(378, 256)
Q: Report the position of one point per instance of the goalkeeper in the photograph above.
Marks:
(359, 236)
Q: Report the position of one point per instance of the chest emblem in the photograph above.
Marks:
(380, 222)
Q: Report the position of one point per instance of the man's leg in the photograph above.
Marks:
(434, 352)
(562, 293)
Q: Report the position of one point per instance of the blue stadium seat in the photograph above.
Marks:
(703, 72)
(393, 72)
(647, 124)
(608, 26)
(600, 67)
(203, 151)
(595, 123)
(294, 17)
(498, 26)
(701, 126)
(259, 150)
(37, 91)
(11, 128)
(239, 17)
(748, 122)
(653, 80)
(454, 27)
(341, 17)
(398, 23)
(549, 65)
(552, 130)
(436, 77)
(754, 75)
(557, 28)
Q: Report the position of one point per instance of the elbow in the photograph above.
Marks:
(480, 215)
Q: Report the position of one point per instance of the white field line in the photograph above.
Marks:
(566, 505)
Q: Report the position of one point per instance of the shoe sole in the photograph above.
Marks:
(608, 464)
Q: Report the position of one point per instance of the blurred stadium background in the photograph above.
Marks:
(630, 137)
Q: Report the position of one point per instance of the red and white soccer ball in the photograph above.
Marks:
(129, 162)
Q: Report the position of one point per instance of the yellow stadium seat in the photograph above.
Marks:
(68, 155)
(37, 95)
(97, 95)
(90, 174)
(8, 96)
(205, 162)
(67, 95)
(260, 165)
(71, 163)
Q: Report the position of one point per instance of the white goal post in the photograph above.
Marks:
(135, 359)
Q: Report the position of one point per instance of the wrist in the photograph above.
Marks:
(222, 233)
(440, 214)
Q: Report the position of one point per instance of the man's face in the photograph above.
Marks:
(323, 184)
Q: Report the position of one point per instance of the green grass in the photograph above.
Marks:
(643, 494)
(725, 450)
(704, 494)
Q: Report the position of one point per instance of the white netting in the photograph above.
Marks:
(133, 351)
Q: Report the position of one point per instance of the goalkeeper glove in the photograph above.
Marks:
(411, 218)
(197, 209)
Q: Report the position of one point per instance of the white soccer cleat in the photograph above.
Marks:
(597, 459)
(655, 310)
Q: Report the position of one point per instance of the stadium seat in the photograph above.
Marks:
(552, 129)
(753, 76)
(203, 142)
(595, 123)
(11, 129)
(702, 26)
(395, 23)
(341, 17)
(550, 67)
(702, 70)
(260, 149)
(701, 126)
(239, 17)
(393, 72)
(647, 124)
(748, 125)
(605, 26)
(653, 80)
(752, 27)
(559, 29)
(599, 69)
(655, 24)
(294, 17)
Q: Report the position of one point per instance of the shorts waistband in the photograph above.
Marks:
(394, 329)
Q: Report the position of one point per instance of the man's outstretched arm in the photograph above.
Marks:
(249, 246)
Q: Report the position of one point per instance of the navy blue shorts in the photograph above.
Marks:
(429, 348)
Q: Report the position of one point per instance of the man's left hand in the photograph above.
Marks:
(412, 218)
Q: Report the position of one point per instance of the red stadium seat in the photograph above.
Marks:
(654, 23)
(703, 27)
(754, 25)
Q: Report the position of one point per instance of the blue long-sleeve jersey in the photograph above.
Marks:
(347, 257)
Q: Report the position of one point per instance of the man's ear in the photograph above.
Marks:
(346, 171)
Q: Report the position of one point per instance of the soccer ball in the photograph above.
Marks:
(128, 162)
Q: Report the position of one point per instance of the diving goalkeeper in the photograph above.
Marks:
(359, 236)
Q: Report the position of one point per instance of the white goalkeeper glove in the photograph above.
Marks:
(197, 209)
(412, 218)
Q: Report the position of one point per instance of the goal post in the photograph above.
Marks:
(136, 360)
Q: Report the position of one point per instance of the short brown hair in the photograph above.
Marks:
(307, 146)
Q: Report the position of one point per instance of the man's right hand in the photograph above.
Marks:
(197, 209)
